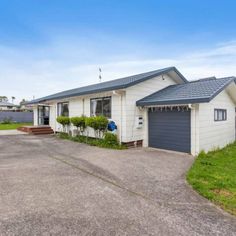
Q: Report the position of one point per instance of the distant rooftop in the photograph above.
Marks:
(6, 104)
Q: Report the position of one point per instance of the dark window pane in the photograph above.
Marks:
(107, 107)
(100, 107)
(63, 109)
(220, 114)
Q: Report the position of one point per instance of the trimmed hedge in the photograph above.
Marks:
(79, 122)
(63, 120)
(98, 123)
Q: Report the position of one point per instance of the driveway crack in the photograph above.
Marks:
(117, 185)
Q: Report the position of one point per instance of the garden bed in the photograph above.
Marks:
(104, 143)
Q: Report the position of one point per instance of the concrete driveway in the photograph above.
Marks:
(11, 132)
(56, 187)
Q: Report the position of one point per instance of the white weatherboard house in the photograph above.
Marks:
(159, 109)
(7, 106)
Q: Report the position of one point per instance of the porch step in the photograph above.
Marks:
(42, 132)
(36, 130)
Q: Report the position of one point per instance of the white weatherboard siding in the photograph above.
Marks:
(214, 134)
(124, 109)
(115, 108)
(81, 106)
(195, 129)
(52, 114)
(134, 94)
(35, 110)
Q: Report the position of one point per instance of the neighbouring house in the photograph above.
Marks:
(24, 107)
(159, 109)
(13, 113)
(7, 106)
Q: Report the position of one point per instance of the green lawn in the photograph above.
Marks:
(213, 175)
(12, 126)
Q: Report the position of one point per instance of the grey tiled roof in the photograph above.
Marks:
(193, 92)
(6, 104)
(109, 85)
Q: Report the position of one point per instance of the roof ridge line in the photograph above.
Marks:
(212, 78)
(120, 83)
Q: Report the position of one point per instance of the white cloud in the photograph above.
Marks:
(46, 71)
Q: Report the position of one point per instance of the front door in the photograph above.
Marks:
(43, 115)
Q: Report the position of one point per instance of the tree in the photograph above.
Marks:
(12, 99)
(3, 99)
(22, 102)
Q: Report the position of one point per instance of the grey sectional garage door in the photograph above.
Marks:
(170, 130)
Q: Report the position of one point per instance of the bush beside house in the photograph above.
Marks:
(79, 123)
(64, 121)
(99, 124)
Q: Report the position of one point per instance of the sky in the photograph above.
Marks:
(50, 46)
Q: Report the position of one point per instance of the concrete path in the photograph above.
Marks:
(11, 132)
(56, 187)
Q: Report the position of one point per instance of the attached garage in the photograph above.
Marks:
(190, 117)
(170, 129)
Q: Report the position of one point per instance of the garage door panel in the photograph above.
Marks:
(163, 138)
(170, 130)
(173, 147)
(167, 144)
(168, 139)
(176, 129)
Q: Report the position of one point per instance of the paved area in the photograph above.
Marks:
(11, 132)
(56, 187)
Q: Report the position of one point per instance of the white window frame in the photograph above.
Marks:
(93, 101)
(59, 105)
(220, 114)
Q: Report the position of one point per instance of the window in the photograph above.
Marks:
(63, 109)
(220, 114)
(100, 107)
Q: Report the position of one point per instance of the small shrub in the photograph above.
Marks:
(98, 123)
(79, 123)
(111, 139)
(102, 123)
(90, 121)
(64, 121)
(7, 121)
(202, 154)
(63, 135)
